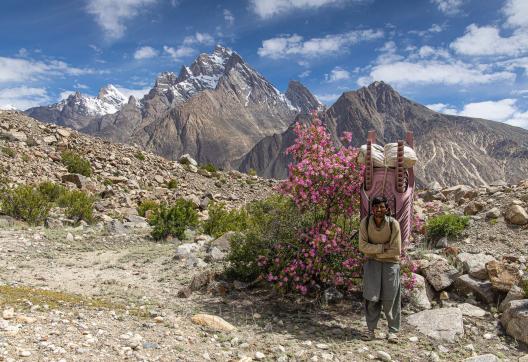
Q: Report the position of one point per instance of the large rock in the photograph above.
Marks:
(516, 215)
(474, 264)
(444, 324)
(503, 275)
(418, 295)
(481, 289)
(223, 242)
(212, 322)
(471, 310)
(483, 358)
(515, 320)
(515, 293)
(440, 274)
(79, 180)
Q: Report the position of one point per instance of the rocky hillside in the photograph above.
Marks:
(216, 109)
(451, 149)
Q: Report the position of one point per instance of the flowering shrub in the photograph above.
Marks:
(324, 183)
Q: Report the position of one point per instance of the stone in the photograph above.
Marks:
(524, 358)
(418, 297)
(515, 293)
(135, 342)
(516, 215)
(63, 132)
(473, 208)
(150, 345)
(440, 274)
(493, 213)
(481, 289)
(184, 250)
(24, 353)
(443, 324)
(184, 292)
(503, 275)
(116, 227)
(383, 356)
(483, 358)
(474, 264)
(49, 139)
(223, 242)
(202, 280)
(259, 355)
(471, 310)
(212, 322)
(332, 296)
(216, 254)
(186, 159)
(515, 319)
(79, 180)
(8, 314)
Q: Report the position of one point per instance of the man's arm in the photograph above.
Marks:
(393, 247)
(364, 246)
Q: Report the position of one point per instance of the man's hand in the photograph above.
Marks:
(386, 247)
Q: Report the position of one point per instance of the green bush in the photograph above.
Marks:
(78, 205)
(172, 184)
(51, 190)
(146, 205)
(184, 161)
(252, 172)
(449, 225)
(270, 221)
(209, 167)
(25, 202)
(221, 220)
(76, 164)
(173, 220)
(8, 151)
(524, 286)
(139, 155)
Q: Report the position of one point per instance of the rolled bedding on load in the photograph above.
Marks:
(377, 155)
(387, 156)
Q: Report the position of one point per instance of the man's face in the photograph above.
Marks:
(379, 209)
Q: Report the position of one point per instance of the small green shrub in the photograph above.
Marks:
(76, 164)
(524, 286)
(221, 220)
(108, 182)
(173, 220)
(51, 190)
(25, 158)
(172, 184)
(78, 205)
(449, 225)
(209, 167)
(139, 155)
(146, 205)
(252, 172)
(26, 203)
(184, 161)
(9, 152)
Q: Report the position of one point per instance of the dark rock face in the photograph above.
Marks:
(451, 150)
(301, 98)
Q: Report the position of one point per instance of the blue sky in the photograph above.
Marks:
(467, 57)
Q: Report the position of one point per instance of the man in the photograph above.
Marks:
(380, 241)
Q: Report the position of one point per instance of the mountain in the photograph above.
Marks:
(216, 109)
(450, 149)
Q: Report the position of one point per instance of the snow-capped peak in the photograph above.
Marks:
(8, 107)
(108, 101)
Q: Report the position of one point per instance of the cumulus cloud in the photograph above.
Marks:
(337, 74)
(295, 45)
(328, 98)
(22, 97)
(145, 53)
(443, 108)
(112, 14)
(65, 94)
(178, 53)
(435, 28)
(229, 17)
(267, 8)
(15, 70)
(486, 40)
(516, 12)
(199, 38)
(137, 93)
(449, 7)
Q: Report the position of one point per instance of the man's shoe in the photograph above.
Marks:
(369, 336)
(392, 337)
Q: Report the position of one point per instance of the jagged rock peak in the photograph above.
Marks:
(301, 98)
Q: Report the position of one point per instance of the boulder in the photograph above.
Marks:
(418, 297)
(481, 289)
(223, 242)
(503, 275)
(516, 215)
(79, 180)
(483, 358)
(471, 310)
(515, 293)
(202, 280)
(186, 159)
(474, 264)
(440, 274)
(212, 322)
(515, 319)
(443, 324)
(473, 208)
(493, 213)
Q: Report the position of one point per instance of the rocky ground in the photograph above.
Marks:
(108, 292)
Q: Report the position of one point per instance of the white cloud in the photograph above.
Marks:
(435, 28)
(268, 8)
(486, 40)
(17, 70)
(199, 38)
(434, 72)
(112, 14)
(519, 119)
(449, 7)
(80, 86)
(295, 45)
(337, 74)
(229, 17)
(145, 53)
(328, 98)
(22, 97)
(178, 53)
(305, 74)
(516, 12)
(65, 94)
(137, 93)
(443, 108)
